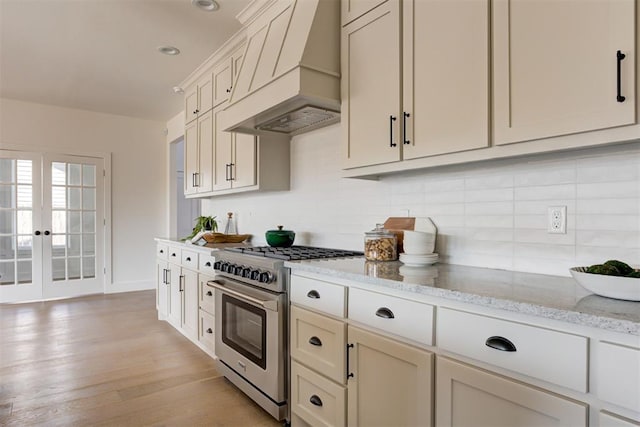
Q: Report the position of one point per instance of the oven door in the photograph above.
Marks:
(249, 326)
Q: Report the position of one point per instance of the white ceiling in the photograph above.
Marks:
(100, 55)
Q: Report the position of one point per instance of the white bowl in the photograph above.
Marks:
(417, 242)
(625, 288)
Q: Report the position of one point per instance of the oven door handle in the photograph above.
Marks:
(268, 305)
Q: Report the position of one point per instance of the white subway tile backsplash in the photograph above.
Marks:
(492, 216)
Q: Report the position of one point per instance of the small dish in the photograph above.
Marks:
(617, 287)
(412, 260)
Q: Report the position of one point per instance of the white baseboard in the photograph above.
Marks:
(141, 285)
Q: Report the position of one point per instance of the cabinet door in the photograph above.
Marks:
(222, 155)
(190, 158)
(190, 315)
(191, 104)
(175, 296)
(445, 76)
(371, 87)
(391, 383)
(244, 161)
(222, 81)
(236, 62)
(206, 158)
(555, 67)
(162, 289)
(472, 397)
(205, 94)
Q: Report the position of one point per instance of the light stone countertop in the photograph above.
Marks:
(552, 297)
(204, 247)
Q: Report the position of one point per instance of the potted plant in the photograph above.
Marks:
(203, 223)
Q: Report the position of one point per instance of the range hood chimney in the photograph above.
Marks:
(289, 79)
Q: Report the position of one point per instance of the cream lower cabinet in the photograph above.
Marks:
(467, 396)
(206, 312)
(162, 288)
(390, 383)
(568, 77)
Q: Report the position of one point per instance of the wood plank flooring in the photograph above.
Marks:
(106, 360)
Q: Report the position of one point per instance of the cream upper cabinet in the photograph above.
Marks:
(371, 87)
(445, 76)
(224, 75)
(198, 98)
(468, 396)
(557, 70)
(235, 160)
(199, 155)
(390, 383)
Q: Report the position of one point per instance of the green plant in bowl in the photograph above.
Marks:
(203, 223)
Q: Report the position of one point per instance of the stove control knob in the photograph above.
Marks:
(233, 268)
(246, 273)
(266, 277)
(255, 274)
(239, 270)
(216, 265)
(224, 266)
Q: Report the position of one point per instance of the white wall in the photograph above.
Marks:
(138, 186)
(490, 215)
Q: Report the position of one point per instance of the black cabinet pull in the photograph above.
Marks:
(164, 276)
(209, 294)
(193, 179)
(500, 343)
(188, 259)
(620, 56)
(173, 254)
(385, 313)
(349, 373)
(161, 251)
(37, 233)
(231, 165)
(207, 264)
(47, 232)
(315, 341)
(315, 400)
(405, 116)
(391, 120)
(180, 281)
(313, 294)
(209, 330)
(226, 172)
(196, 177)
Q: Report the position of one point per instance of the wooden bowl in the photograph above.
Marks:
(225, 238)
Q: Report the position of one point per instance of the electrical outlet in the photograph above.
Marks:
(557, 220)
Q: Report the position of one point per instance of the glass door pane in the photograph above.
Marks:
(20, 249)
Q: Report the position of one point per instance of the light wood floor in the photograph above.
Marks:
(107, 360)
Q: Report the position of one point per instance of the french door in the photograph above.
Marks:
(51, 226)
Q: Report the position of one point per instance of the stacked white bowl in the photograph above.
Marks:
(419, 244)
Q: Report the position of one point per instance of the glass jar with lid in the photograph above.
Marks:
(380, 245)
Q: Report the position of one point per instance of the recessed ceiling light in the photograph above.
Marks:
(206, 5)
(178, 90)
(169, 50)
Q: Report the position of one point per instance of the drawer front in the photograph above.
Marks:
(322, 296)
(315, 399)
(319, 342)
(162, 251)
(616, 366)
(409, 319)
(173, 255)
(189, 259)
(552, 356)
(206, 295)
(205, 264)
(206, 330)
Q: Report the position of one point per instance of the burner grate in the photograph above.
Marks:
(296, 253)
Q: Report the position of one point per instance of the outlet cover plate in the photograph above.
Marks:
(557, 220)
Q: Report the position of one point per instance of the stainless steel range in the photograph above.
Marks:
(251, 322)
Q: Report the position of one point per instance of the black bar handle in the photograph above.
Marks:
(620, 56)
(500, 343)
(164, 276)
(315, 400)
(349, 373)
(313, 294)
(37, 233)
(405, 116)
(209, 293)
(180, 281)
(385, 313)
(315, 341)
(231, 165)
(168, 282)
(197, 179)
(226, 172)
(391, 120)
(209, 330)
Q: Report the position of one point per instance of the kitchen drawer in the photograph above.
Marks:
(319, 342)
(408, 319)
(549, 355)
(173, 254)
(315, 399)
(162, 250)
(617, 365)
(189, 259)
(207, 298)
(322, 296)
(206, 330)
(205, 263)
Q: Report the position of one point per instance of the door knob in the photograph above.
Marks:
(37, 233)
(47, 232)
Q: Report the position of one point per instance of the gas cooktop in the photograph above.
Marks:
(295, 253)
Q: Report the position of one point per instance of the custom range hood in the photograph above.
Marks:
(289, 77)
